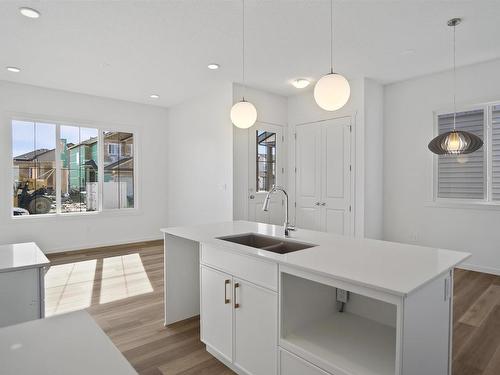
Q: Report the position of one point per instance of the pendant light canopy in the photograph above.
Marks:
(243, 113)
(332, 91)
(455, 142)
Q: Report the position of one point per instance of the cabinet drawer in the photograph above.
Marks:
(244, 266)
(290, 364)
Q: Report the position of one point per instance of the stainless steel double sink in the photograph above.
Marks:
(268, 243)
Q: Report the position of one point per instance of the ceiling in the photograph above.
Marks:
(131, 49)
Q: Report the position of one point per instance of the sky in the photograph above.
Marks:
(29, 136)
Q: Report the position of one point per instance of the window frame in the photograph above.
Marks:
(101, 127)
(486, 202)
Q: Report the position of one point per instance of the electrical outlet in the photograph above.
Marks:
(342, 295)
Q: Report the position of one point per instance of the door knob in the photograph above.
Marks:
(252, 196)
(317, 203)
(323, 204)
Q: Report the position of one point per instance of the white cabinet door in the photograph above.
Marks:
(308, 176)
(255, 329)
(335, 184)
(21, 298)
(216, 311)
(323, 176)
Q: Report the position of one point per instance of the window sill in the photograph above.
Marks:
(81, 215)
(457, 204)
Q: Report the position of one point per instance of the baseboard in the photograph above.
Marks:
(220, 358)
(67, 249)
(476, 268)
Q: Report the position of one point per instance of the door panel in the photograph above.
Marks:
(308, 218)
(335, 221)
(255, 329)
(216, 312)
(308, 176)
(335, 161)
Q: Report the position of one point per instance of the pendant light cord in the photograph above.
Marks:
(331, 36)
(454, 79)
(243, 47)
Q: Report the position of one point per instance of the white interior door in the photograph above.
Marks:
(265, 170)
(323, 176)
(336, 182)
(308, 176)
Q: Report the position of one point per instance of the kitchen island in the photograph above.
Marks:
(313, 303)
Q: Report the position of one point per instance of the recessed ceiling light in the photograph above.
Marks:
(13, 69)
(154, 96)
(213, 66)
(29, 12)
(408, 52)
(300, 83)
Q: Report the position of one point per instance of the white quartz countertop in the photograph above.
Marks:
(392, 267)
(61, 345)
(21, 256)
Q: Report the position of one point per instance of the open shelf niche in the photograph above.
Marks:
(361, 340)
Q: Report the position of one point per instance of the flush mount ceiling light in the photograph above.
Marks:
(243, 113)
(13, 69)
(213, 66)
(300, 83)
(154, 96)
(332, 91)
(29, 12)
(455, 142)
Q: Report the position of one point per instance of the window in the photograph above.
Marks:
(34, 165)
(79, 167)
(462, 176)
(474, 177)
(113, 149)
(118, 187)
(495, 153)
(60, 169)
(266, 160)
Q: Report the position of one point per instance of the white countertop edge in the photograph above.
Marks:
(38, 258)
(279, 258)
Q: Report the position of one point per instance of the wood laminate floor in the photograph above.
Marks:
(122, 288)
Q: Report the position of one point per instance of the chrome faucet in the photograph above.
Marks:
(265, 207)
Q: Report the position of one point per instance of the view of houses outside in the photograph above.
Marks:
(266, 160)
(34, 163)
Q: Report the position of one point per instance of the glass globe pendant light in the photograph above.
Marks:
(243, 113)
(455, 142)
(332, 91)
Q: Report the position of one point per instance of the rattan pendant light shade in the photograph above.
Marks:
(455, 142)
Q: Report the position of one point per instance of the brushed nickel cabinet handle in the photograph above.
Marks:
(226, 283)
(236, 304)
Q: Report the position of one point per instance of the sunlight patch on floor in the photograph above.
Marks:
(68, 287)
(123, 277)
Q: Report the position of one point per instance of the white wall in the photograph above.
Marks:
(271, 109)
(374, 164)
(59, 233)
(408, 116)
(200, 159)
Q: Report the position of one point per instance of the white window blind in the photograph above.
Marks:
(495, 152)
(463, 176)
